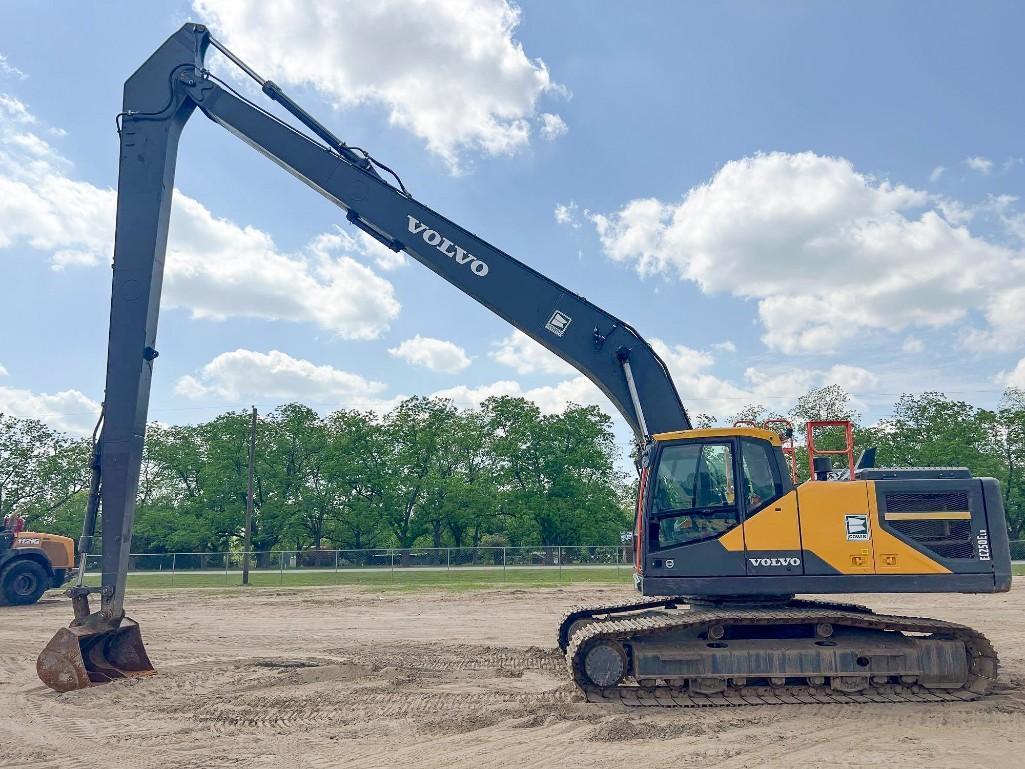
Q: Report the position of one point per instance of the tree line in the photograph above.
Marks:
(427, 474)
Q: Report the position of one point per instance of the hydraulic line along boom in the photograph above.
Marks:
(159, 98)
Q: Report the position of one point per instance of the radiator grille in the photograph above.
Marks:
(949, 539)
(946, 538)
(928, 501)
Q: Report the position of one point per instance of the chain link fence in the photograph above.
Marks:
(420, 564)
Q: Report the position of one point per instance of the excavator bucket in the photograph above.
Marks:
(93, 653)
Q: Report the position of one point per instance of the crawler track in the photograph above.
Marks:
(630, 623)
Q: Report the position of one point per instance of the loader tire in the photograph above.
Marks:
(23, 582)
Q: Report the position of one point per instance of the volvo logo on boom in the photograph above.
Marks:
(447, 247)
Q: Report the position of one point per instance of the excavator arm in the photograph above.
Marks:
(158, 100)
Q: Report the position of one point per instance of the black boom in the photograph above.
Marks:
(158, 99)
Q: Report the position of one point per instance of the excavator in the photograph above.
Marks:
(724, 538)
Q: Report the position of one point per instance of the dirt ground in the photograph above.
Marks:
(341, 676)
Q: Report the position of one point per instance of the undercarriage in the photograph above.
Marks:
(686, 652)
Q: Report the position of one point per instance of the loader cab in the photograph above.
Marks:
(699, 485)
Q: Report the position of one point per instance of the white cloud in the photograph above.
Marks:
(700, 390)
(912, 345)
(449, 71)
(465, 396)
(14, 109)
(567, 214)
(1006, 316)
(43, 208)
(360, 244)
(851, 378)
(1013, 378)
(248, 375)
(525, 356)
(6, 68)
(791, 231)
(724, 346)
(552, 126)
(551, 399)
(954, 211)
(242, 374)
(937, 172)
(434, 354)
(979, 163)
(215, 268)
(1015, 224)
(277, 376)
(1001, 209)
(67, 410)
(775, 386)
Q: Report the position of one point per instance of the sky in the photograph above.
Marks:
(777, 196)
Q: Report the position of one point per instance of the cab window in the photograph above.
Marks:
(761, 482)
(694, 494)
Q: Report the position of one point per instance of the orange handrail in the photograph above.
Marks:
(847, 450)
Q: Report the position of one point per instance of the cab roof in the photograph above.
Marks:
(722, 432)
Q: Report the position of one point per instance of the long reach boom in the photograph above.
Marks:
(158, 100)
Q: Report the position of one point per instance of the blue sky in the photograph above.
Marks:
(779, 195)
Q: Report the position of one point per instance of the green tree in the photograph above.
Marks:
(829, 403)
(416, 431)
(558, 473)
(930, 430)
(356, 470)
(42, 474)
(1007, 428)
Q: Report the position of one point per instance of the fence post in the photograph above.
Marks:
(281, 567)
(558, 557)
(617, 562)
(173, 556)
(336, 567)
(227, 560)
(504, 561)
(448, 559)
(393, 564)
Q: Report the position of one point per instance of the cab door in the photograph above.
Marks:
(693, 502)
(772, 527)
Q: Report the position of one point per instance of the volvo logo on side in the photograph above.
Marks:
(447, 247)
(775, 561)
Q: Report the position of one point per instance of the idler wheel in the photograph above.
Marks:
(605, 664)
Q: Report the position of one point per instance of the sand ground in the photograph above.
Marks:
(341, 676)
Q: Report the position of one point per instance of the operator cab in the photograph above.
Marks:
(705, 482)
(699, 485)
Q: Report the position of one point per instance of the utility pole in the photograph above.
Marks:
(248, 546)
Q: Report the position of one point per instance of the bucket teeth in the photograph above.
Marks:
(93, 653)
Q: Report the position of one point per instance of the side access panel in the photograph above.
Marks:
(836, 527)
(770, 539)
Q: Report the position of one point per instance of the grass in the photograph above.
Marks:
(400, 579)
